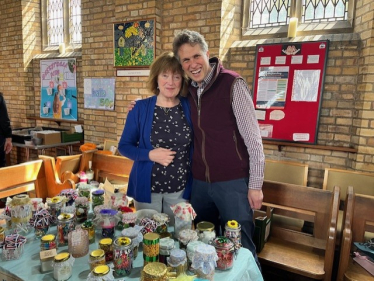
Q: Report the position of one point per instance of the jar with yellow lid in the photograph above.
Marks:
(65, 225)
(97, 257)
(101, 273)
(106, 244)
(63, 266)
(48, 242)
(122, 256)
(205, 231)
(155, 271)
(233, 231)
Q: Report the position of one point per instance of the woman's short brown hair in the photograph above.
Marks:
(166, 62)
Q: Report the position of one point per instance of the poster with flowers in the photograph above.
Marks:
(134, 43)
(58, 89)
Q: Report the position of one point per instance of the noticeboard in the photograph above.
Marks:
(287, 89)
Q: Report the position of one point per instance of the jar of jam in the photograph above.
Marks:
(106, 244)
(62, 266)
(97, 257)
(162, 221)
(205, 231)
(225, 249)
(166, 245)
(48, 242)
(122, 256)
(186, 236)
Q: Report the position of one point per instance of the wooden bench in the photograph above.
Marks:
(309, 255)
(111, 167)
(69, 166)
(53, 183)
(286, 171)
(21, 178)
(358, 222)
(363, 183)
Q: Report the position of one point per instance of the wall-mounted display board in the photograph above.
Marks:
(287, 89)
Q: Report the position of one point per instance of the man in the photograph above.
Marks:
(228, 159)
(5, 132)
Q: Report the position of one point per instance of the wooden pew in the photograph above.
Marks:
(286, 171)
(358, 222)
(53, 183)
(69, 166)
(111, 167)
(309, 255)
(363, 183)
(21, 178)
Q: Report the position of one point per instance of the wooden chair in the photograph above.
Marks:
(358, 222)
(21, 178)
(363, 183)
(109, 143)
(309, 255)
(111, 167)
(53, 183)
(285, 171)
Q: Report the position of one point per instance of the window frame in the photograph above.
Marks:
(66, 35)
(303, 29)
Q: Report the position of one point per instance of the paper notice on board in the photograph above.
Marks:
(305, 85)
(265, 61)
(266, 130)
(300, 137)
(260, 114)
(276, 115)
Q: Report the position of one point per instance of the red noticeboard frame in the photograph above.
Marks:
(287, 89)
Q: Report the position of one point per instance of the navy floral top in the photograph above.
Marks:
(170, 130)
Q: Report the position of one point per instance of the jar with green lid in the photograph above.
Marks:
(225, 249)
(65, 225)
(106, 244)
(48, 242)
(205, 231)
(63, 266)
(122, 256)
(97, 257)
(101, 273)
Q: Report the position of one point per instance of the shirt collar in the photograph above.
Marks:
(207, 78)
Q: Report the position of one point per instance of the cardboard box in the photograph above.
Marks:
(49, 137)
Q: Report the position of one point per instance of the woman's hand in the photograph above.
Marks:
(162, 156)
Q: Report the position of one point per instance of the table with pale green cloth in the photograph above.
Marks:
(28, 266)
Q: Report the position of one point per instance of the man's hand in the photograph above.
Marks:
(255, 197)
(162, 156)
(8, 145)
(131, 105)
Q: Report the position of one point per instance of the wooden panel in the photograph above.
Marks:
(287, 172)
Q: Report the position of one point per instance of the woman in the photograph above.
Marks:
(158, 136)
(5, 132)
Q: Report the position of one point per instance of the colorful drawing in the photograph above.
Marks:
(134, 43)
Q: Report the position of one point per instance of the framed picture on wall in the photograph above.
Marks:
(134, 43)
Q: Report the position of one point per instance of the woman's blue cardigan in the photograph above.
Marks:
(135, 144)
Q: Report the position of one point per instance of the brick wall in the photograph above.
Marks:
(346, 115)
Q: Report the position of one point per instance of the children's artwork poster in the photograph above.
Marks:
(58, 89)
(99, 93)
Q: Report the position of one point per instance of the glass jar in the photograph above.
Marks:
(78, 242)
(65, 225)
(233, 231)
(155, 271)
(225, 249)
(70, 195)
(55, 205)
(186, 236)
(151, 246)
(2, 236)
(48, 242)
(97, 198)
(191, 249)
(84, 190)
(122, 256)
(166, 245)
(100, 273)
(106, 244)
(108, 222)
(81, 209)
(62, 266)
(177, 261)
(90, 228)
(97, 257)
(205, 231)
(136, 237)
(162, 221)
(204, 261)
